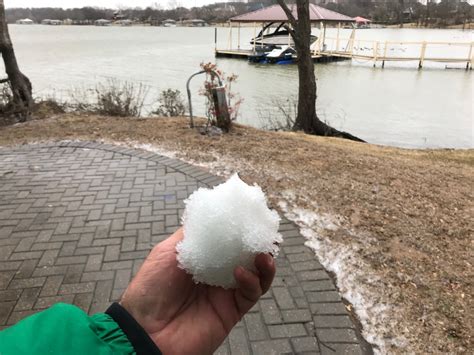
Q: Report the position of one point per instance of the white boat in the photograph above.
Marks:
(279, 37)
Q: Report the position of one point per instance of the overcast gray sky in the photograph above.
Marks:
(104, 3)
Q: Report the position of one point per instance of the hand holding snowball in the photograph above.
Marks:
(183, 317)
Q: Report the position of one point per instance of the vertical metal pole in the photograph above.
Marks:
(337, 38)
(384, 54)
(215, 39)
(324, 35)
(254, 36)
(230, 35)
(238, 37)
(422, 55)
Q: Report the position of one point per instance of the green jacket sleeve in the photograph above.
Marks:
(65, 329)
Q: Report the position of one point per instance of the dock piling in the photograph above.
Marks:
(422, 55)
(469, 58)
(376, 50)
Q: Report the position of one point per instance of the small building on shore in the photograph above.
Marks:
(25, 21)
(362, 22)
(194, 23)
(102, 22)
(124, 22)
(169, 23)
(51, 22)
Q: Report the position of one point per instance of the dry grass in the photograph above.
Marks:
(416, 205)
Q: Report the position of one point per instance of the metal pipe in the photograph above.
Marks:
(215, 75)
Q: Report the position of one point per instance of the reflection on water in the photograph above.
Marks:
(398, 105)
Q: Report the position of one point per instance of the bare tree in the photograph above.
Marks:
(19, 83)
(401, 10)
(307, 118)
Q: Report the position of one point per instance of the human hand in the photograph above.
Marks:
(182, 317)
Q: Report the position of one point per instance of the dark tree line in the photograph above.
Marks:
(210, 13)
(428, 13)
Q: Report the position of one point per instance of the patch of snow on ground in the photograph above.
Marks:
(150, 148)
(353, 276)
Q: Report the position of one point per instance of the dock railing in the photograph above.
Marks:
(385, 51)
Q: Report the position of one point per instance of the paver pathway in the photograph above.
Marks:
(78, 218)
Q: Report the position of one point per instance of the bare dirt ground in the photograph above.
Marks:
(413, 208)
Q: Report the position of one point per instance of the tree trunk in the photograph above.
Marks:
(307, 119)
(401, 9)
(19, 83)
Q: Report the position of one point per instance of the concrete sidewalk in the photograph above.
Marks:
(77, 220)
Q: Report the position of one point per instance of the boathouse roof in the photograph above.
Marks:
(360, 19)
(276, 14)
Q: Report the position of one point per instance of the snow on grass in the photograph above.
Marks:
(354, 279)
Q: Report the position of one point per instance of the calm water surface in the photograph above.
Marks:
(397, 106)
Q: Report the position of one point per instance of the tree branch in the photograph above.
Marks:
(289, 14)
(3, 81)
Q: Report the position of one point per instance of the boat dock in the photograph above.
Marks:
(327, 49)
(336, 49)
(245, 53)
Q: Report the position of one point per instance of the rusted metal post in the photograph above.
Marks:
(221, 108)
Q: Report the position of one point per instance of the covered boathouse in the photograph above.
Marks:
(271, 23)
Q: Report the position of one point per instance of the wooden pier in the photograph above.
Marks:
(327, 49)
(396, 51)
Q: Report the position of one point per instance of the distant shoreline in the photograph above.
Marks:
(467, 26)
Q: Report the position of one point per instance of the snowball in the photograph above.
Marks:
(226, 227)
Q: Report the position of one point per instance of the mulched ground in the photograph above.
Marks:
(415, 205)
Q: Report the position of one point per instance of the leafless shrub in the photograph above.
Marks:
(283, 115)
(113, 98)
(171, 104)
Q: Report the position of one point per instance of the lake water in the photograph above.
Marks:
(398, 105)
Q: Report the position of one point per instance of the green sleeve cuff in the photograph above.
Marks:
(65, 329)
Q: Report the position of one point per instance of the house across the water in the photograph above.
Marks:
(25, 21)
(102, 22)
(51, 22)
(124, 22)
(194, 23)
(169, 23)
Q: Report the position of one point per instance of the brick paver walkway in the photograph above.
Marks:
(77, 220)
